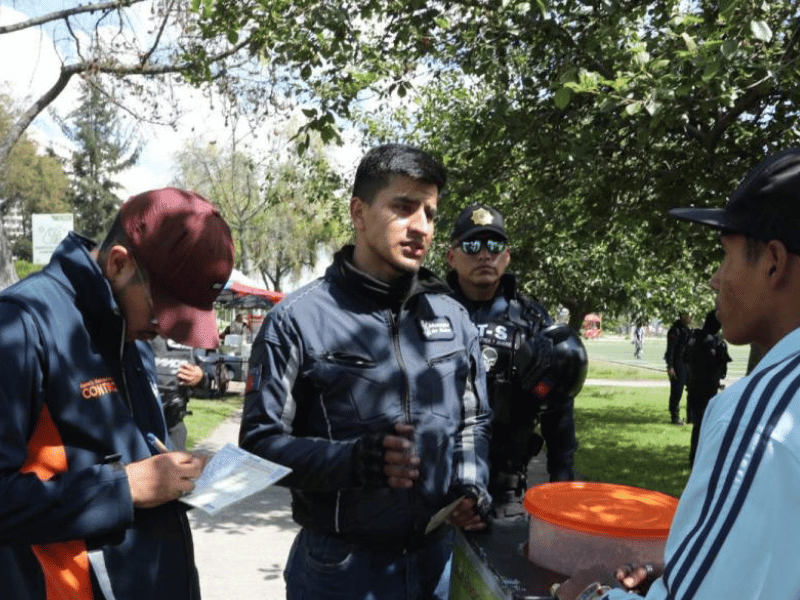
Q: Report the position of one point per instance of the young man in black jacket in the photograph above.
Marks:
(368, 383)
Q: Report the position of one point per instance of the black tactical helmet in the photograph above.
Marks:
(554, 360)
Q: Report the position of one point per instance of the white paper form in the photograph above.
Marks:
(231, 475)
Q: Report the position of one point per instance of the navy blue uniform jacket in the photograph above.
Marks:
(76, 401)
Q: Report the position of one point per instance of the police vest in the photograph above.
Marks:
(501, 339)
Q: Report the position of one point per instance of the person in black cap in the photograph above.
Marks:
(506, 320)
(707, 359)
(735, 532)
(677, 337)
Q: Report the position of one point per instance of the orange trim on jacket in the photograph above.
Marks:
(65, 565)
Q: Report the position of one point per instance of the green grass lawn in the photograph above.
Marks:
(611, 357)
(207, 415)
(625, 437)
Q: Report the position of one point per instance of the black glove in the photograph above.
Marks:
(369, 461)
(483, 502)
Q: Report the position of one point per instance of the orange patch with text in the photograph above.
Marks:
(98, 387)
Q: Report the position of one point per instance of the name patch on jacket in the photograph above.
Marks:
(439, 328)
(98, 387)
(253, 380)
(497, 335)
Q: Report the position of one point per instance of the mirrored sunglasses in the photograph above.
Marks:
(475, 246)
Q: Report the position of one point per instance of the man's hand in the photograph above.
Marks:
(638, 578)
(632, 577)
(572, 587)
(400, 462)
(466, 517)
(190, 375)
(671, 373)
(162, 478)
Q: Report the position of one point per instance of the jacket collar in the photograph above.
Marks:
(74, 268)
(507, 289)
(386, 294)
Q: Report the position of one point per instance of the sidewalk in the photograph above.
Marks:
(241, 551)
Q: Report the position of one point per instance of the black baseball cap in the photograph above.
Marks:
(765, 206)
(478, 218)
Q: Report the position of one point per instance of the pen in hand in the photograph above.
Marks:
(159, 445)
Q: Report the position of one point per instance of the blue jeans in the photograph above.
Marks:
(321, 567)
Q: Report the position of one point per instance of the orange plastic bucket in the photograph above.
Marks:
(575, 525)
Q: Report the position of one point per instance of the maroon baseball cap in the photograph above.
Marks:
(186, 247)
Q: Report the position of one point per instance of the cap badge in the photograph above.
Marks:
(482, 217)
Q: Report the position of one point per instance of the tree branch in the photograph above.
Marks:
(16, 130)
(61, 14)
(757, 92)
(157, 39)
(21, 124)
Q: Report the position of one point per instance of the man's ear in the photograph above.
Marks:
(778, 261)
(118, 266)
(357, 212)
(451, 257)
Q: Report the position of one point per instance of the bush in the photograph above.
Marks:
(25, 268)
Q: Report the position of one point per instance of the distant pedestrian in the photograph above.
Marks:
(707, 361)
(177, 374)
(638, 341)
(677, 336)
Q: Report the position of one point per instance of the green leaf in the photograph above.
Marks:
(729, 48)
(652, 106)
(633, 108)
(691, 45)
(711, 70)
(726, 8)
(442, 22)
(542, 8)
(562, 98)
(761, 30)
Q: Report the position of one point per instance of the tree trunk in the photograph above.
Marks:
(8, 274)
(576, 314)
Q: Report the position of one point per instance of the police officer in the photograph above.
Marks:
(677, 336)
(534, 368)
(176, 373)
(707, 361)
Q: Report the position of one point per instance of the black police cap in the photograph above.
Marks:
(478, 218)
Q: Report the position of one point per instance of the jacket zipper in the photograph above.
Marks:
(403, 371)
(123, 376)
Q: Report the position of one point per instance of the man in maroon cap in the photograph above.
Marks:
(89, 495)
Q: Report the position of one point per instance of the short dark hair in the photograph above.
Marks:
(116, 236)
(381, 162)
(753, 247)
